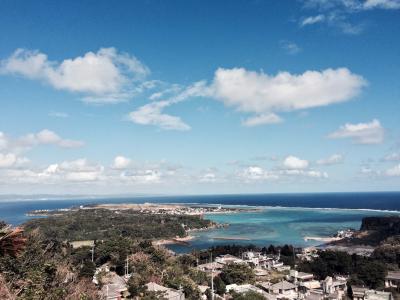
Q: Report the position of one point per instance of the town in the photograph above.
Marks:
(271, 279)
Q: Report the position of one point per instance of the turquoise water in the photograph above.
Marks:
(300, 216)
(278, 226)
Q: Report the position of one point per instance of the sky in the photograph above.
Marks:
(199, 97)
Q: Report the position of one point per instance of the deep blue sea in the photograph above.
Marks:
(284, 218)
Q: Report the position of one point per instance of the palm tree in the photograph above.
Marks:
(12, 241)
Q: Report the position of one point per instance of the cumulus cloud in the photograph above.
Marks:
(43, 137)
(47, 137)
(260, 93)
(331, 160)
(142, 176)
(121, 162)
(106, 75)
(75, 170)
(152, 114)
(395, 171)
(361, 133)
(294, 170)
(208, 178)
(7, 160)
(256, 173)
(293, 163)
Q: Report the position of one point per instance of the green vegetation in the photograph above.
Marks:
(40, 263)
(248, 296)
(362, 270)
(103, 224)
(237, 273)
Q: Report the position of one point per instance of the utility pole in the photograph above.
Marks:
(127, 267)
(92, 252)
(212, 278)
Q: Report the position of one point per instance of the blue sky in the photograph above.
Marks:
(179, 97)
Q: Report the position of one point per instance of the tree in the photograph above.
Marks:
(87, 269)
(251, 295)
(372, 273)
(12, 241)
(136, 285)
(219, 285)
(237, 273)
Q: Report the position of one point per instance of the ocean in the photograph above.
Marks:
(283, 218)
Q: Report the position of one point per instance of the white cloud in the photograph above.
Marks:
(312, 20)
(351, 6)
(316, 174)
(256, 173)
(121, 162)
(395, 171)
(293, 162)
(106, 74)
(331, 160)
(43, 137)
(268, 118)
(76, 170)
(384, 4)
(338, 13)
(152, 113)
(208, 177)
(7, 160)
(143, 176)
(296, 168)
(48, 137)
(261, 93)
(361, 133)
(57, 114)
(290, 47)
(392, 157)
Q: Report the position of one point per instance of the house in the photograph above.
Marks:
(331, 285)
(209, 267)
(360, 293)
(244, 288)
(300, 277)
(114, 287)
(261, 274)
(307, 286)
(168, 293)
(377, 295)
(392, 280)
(229, 259)
(314, 295)
(308, 254)
(284, 289)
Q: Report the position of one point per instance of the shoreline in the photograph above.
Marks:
(322, 239)
(174, 241)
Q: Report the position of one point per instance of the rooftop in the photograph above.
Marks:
(283, 285)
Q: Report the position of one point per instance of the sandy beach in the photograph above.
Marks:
(322, 239)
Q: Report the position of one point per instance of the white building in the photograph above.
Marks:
(229, 259)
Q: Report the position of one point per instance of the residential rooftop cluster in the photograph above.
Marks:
(273, 280)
